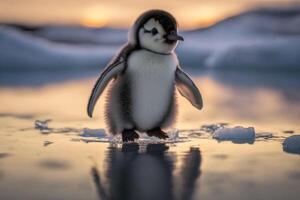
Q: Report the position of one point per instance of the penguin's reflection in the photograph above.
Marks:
(132, 175)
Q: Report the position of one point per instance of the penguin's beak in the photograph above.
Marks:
(174, 37)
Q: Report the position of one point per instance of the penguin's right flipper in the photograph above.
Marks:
(115, 68)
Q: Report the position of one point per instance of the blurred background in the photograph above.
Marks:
(243, 55)
(42, 36)
(118, 13)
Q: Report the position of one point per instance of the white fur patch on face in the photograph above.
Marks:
(152, 23)
(155, 42)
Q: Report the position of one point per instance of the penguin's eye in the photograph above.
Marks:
(154, 31)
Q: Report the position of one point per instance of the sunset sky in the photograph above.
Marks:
(190, 13)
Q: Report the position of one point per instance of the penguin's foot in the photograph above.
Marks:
(157, 132)
(129, 135)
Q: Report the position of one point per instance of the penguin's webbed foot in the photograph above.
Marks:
(157, 132)
(129, 135)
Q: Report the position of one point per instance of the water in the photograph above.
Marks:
(72, 157)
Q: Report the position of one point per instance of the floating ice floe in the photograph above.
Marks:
(292, 144)
(237, 134)
(97, 133)
(211, 128)
(42, 126)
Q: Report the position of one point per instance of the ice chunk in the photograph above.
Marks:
(292, 144)
(264, 136)
(211, 128)
(42, 125)
(97, 133)
(237, 134)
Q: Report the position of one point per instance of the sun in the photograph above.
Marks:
(93, 18)
(93, 22)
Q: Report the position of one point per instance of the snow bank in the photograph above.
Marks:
(83, 35)
(237, 134)
(265, 38)
(292, 144)
(23, 51)
(271, 52)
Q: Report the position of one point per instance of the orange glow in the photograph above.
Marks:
(94, 17)
(93, 22)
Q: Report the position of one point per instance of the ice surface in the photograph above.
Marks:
(237, 134)
(174, 137)
(99, 135)
(218, 131)
(292, 144)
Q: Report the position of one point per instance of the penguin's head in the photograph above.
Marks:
(155, 30)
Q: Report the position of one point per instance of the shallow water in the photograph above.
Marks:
(69, 162)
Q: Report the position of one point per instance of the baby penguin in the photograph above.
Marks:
(142, 79)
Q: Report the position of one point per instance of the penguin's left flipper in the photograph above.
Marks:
(188, 89)
(111, 71)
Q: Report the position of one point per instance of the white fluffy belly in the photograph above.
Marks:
(152, 82)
